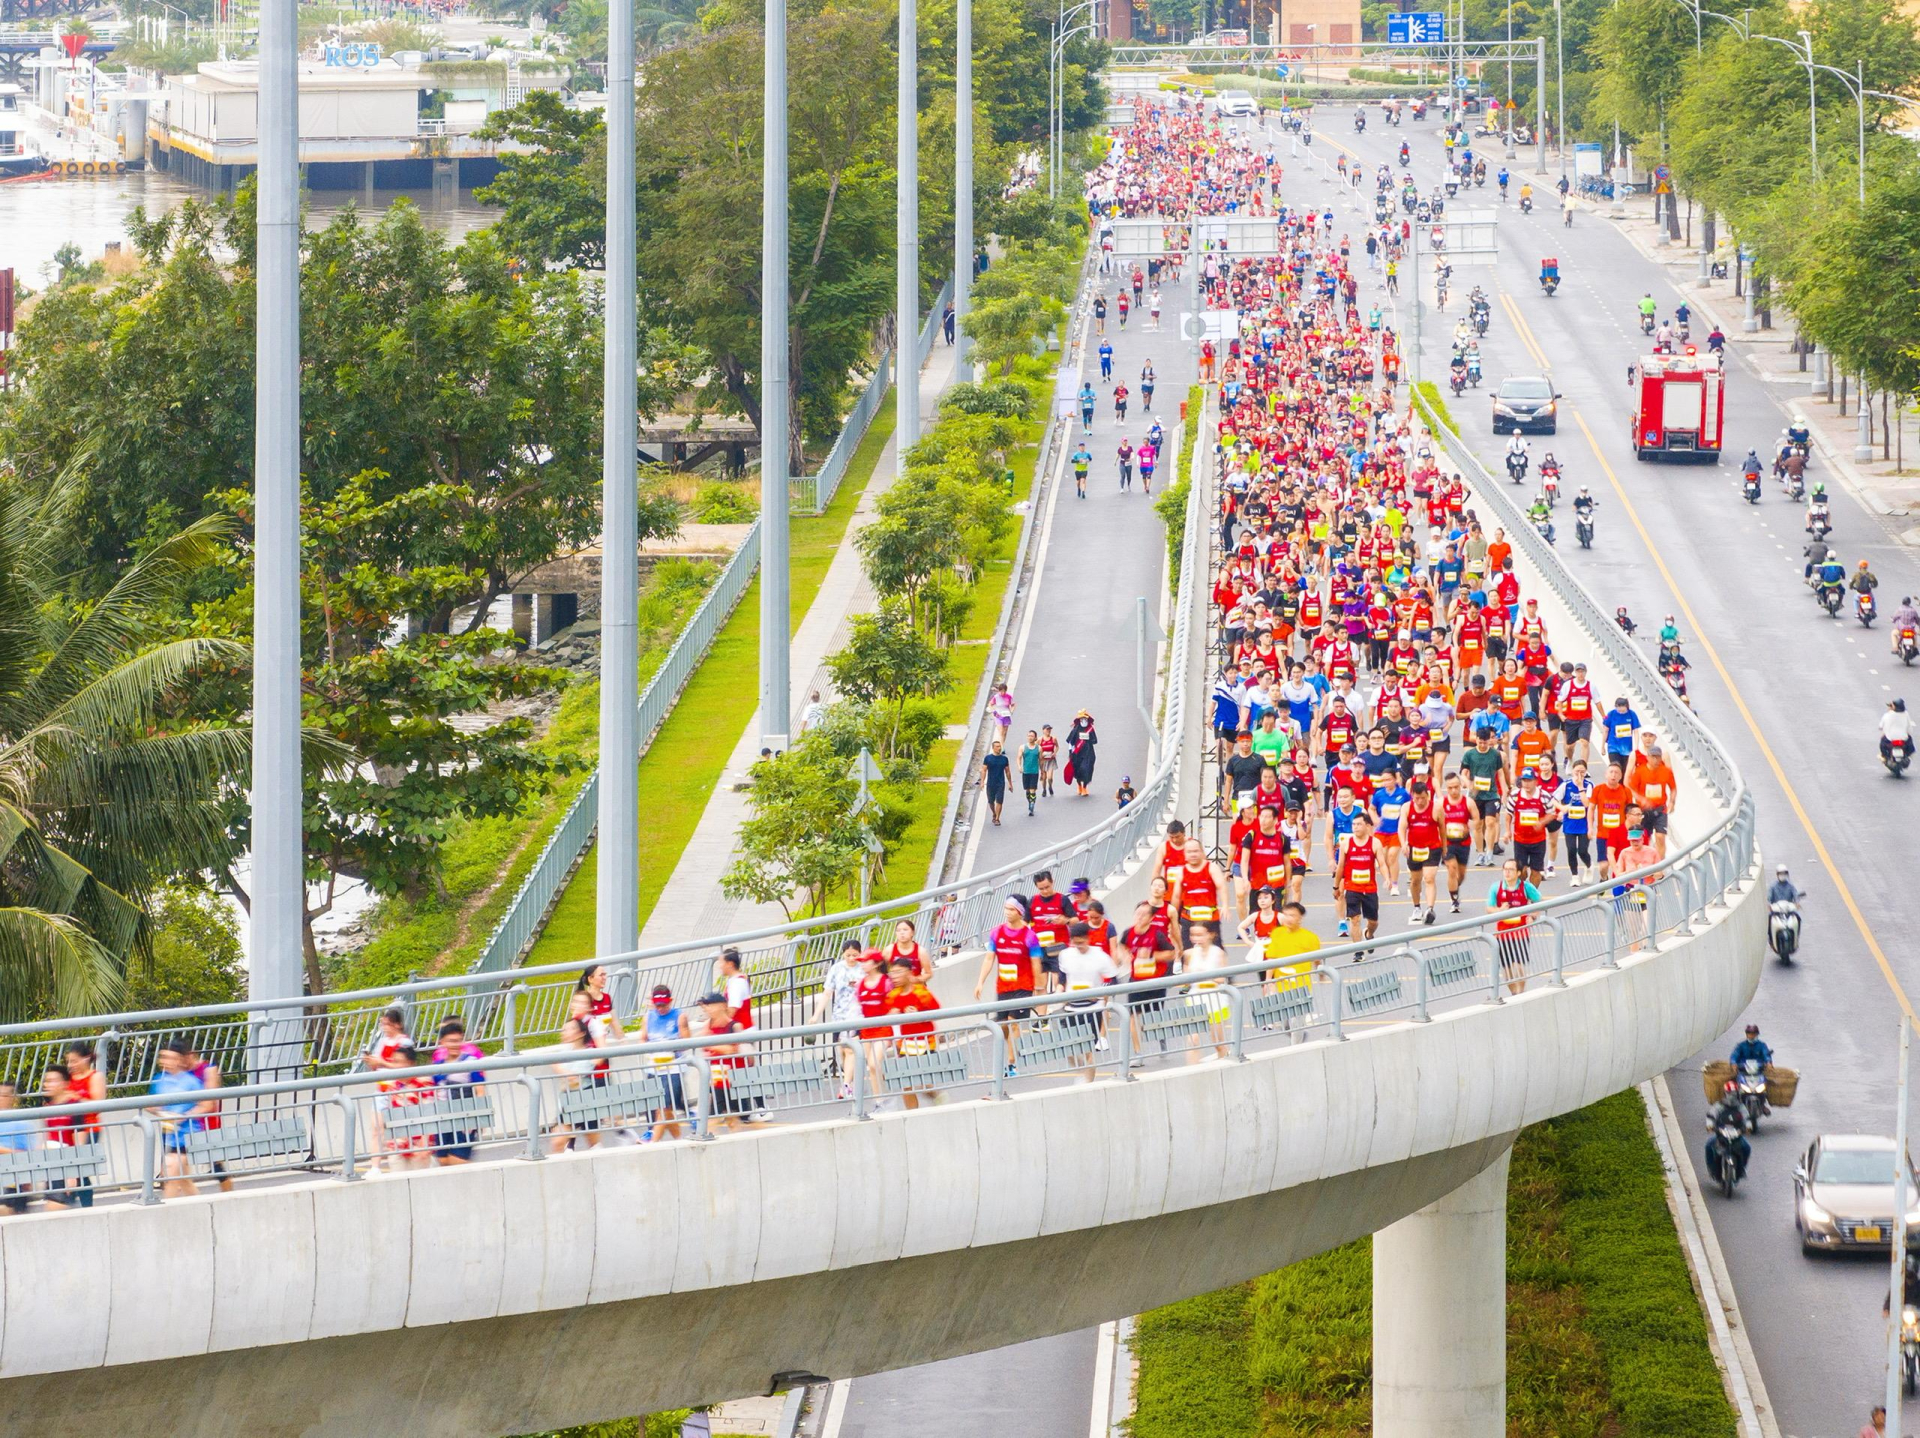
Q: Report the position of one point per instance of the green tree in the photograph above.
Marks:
(106, 788)
(800, 841)
(390, 704)
(886, 662)
(551, 184)
(195, 955)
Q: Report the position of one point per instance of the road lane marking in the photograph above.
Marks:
(1746, 714)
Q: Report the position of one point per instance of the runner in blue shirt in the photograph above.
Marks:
(1573, 800)
(1621, 724)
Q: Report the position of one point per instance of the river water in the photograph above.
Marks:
(37, 219)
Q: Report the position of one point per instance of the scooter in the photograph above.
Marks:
(1863, 609)
(1550, 484)
(1783, 929)
(1646, 324)
(1909, 646)
(1752, 1088)
(1405, 159)
(1796, 485)
(1516, 467)
(1543, 527)
(1896, 757)
(1457, 378)
(1549, 283)
(1473, 370)
(1819, 523)
(1526, 204)
(1829, 597)
(1725, 1161)
(1751, 488)
(1583, 525)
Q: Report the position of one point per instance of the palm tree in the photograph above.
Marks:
(105, 788)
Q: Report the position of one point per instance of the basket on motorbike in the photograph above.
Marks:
(1714, 1078)
(1782, 1084)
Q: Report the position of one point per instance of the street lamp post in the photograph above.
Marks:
(616, 910)
(1057, 86)
(1540, 104)
(1742, 28)
(776, 422)
(962, 188)
(275, 958)
(1560, 82)
(906, 300)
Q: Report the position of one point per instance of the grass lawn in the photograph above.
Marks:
(1605, 1338)
(678, 773)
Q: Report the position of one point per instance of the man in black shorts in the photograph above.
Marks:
(1486, 779)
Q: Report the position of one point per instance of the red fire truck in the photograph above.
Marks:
(1679, 406)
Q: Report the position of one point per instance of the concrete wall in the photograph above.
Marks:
(494, 1299)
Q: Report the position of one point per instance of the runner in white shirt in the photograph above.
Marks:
(1204, 957)
(1084, 970)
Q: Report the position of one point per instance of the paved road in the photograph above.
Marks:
(1076, 650)
(1794, 695)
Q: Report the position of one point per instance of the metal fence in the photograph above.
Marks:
(521, 1104)
(812, 493)
(787, 962)
(534, 900)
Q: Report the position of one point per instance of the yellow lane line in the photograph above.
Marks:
(1746, 714)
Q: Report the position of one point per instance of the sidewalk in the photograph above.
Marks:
(691, 905)
(1880, 484)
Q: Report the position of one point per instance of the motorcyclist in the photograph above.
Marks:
(1517, 454)
(1716, 341)
(1669, 631)
(1905, 617)
(1817, 553)
(1896, 729)
(1457, 371)
(1405, 153)
(1472, 357)
(1751, 464)
(1584, 504)
(1729, 1112)
(1647, 308)
(1783, 890)
(1541, 513)
(1663, 338)
(1831, 575)
(1526, 194)
(1864, 580)
(1751, 1047)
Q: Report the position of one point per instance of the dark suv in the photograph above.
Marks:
(1525, 403)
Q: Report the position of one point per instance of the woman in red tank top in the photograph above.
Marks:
(906, 949)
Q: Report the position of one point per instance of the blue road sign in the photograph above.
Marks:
(1417, 27)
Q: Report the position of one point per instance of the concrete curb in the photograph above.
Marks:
(1726, 1330)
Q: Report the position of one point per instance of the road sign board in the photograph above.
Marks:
(1418, 27)
(1194, 327)
(864, 769)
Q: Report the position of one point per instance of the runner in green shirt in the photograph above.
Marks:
(1486, 775)
(1030, 768)
(1270, 741)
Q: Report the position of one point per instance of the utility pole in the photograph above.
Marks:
(906, 299)
(1560, 80)
(1901, 1198)
(776, 421)
(962, 189)
(616, 910)
(1540, 105)
(276, 958)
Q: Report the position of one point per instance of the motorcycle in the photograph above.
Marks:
(1751, 488)
(1863, 609)
(1457, 378)
(1380, 211)
(1896, 757)
(1909, 1349)
(1550, 484)
(1473, 370)
(1752, 1082)
(1481, 318)
(1405, 159)
(1359, 124)
(1646, 324)
(1819, 523)
(1796, 485)
(1516, 467)
(1526, 204)
(1783, 929)
(1543, 527)
(1549, 283)
(1725, 1163)
(1829, 597)
(1583, 525)
(1624, 620)
(1909, 647)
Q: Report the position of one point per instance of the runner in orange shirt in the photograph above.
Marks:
(1650, 782)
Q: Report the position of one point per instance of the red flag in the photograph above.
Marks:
(73, 42)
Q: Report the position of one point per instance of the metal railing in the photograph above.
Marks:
(335, 1118)
(812, 493)
(519, 1105)
(526, 915)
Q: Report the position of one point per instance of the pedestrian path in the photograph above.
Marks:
(692, 905)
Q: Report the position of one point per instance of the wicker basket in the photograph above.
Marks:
(1713, 1079)
(1782, 1084)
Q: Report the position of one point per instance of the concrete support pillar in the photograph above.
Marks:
(523, 618)
(552, 613)
(1440, 1316)
(366, 184)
